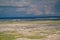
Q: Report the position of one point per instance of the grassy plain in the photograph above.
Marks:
(32, 22)
(32, 33)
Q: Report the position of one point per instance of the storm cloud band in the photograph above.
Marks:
(29, 8)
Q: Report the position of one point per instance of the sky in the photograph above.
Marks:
(29, 8)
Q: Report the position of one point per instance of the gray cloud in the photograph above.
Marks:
(36, 7)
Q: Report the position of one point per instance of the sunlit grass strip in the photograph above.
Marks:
(35, 37)
(4, 36)
(32, 22)
(11, 36)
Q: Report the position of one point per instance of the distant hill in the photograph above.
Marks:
(38, 17)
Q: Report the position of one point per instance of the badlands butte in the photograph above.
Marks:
(30, 30)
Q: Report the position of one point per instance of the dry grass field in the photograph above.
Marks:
(30, 30)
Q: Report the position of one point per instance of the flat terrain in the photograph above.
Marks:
(31, 22)
(30, 30)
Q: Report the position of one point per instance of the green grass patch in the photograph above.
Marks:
(35, 37)
(4, 36)
(10, 35)
(32, 22)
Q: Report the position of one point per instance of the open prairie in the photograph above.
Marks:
(30, 30)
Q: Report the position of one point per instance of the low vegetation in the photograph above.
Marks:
(12, 35)
(29, 32)
(32, 22)
(5, 36)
